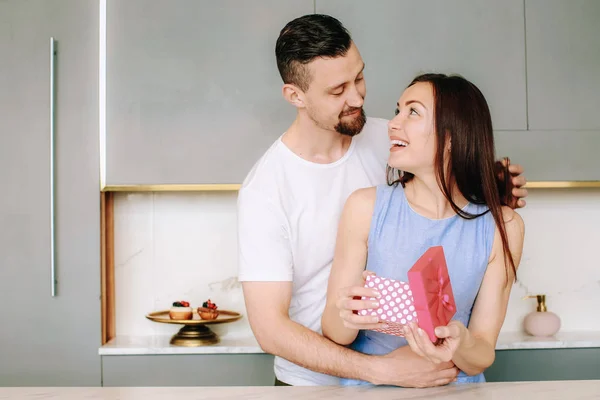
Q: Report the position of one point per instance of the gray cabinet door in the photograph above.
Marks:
(193, 91)
(545, 365)
(483, 40)
(45, 340)
(563, 64)
(188, 370)
(556, 155)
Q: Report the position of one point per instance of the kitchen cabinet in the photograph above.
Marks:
(257, 369)
(193, 95)
(545, 365)
(563, 65)
(49, 340)
(188, 370)
(560, 155)
(483, 41)
(193, 92)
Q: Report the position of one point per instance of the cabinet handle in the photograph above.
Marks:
(52, 191)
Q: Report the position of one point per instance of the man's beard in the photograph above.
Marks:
(353, 127)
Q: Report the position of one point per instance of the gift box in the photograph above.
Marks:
(426, 298)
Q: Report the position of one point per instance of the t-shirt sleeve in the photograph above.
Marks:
(264, 251)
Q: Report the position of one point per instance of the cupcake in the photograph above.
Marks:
(181, 310)
(208, 310)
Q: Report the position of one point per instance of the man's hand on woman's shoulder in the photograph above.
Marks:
(516, 198)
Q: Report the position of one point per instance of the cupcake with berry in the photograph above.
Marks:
(208, 311)
(181, 310)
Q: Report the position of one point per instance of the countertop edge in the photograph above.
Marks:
(584, 389)
(159, 345)
(103, 351)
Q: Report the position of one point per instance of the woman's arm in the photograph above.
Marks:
(477, 351)
(345, 281)
(473, 350)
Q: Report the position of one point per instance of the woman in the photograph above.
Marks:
(442, 191)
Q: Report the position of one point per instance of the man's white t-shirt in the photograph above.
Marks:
(288, 214)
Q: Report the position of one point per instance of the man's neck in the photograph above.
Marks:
(315, 144)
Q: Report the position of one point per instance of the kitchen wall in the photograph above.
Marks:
(171, 246)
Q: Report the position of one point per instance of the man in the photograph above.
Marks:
(290, 203)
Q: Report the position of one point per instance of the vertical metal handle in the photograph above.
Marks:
(52, 192)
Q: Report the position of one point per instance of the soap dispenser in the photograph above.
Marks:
(541, 322)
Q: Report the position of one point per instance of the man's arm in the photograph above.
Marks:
(266, 273)
(267, 305)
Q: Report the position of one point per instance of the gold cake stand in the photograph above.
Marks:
(195, 331)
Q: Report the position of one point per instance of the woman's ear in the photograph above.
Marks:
(293, 95)
(447, 138)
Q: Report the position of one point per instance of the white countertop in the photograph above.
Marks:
(148, 345)
(548, 390)
(562, 340)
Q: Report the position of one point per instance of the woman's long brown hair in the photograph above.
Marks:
(462, 115)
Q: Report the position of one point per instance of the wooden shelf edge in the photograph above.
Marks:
(209, 187)
(232, 187)
(107, 267)
(563, 185)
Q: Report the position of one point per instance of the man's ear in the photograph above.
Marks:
(293, 95)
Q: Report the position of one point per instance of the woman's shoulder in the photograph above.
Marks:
(357, 212)
(362, 199)
(370, 199)
(515, 226)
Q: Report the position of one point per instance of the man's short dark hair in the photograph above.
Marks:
(306, 38)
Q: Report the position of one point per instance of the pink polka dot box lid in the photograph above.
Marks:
(426, 298)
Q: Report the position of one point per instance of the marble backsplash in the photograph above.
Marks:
(171, 246)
